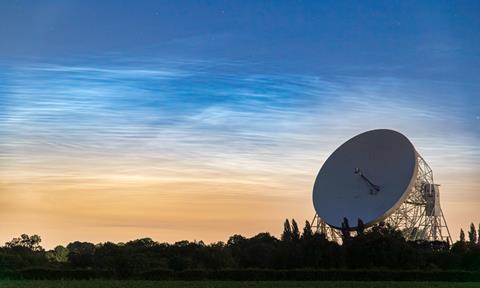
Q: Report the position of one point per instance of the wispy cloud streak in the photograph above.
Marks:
(154, 126)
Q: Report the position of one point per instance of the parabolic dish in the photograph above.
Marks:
(368, 178)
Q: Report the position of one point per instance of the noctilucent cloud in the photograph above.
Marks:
(203, 119)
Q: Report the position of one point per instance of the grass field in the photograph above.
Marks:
(226, 284)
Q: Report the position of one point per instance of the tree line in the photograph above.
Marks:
(380, 247)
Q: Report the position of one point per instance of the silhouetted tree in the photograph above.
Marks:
(124, 261)
(236, 240)
(472, 234)
(236, 244)
(81, 253)
(143, 243)
(217, 256)
(256, 252)
(307, 231)
(287, 231)
(318, 252)
(29, 242)
(295, 231)
(58, 254)
(380, 246)
(22, 252)
(462, 236)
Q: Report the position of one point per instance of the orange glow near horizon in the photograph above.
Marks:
(118, 153)
(90, 206)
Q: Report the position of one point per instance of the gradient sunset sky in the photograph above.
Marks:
(198, 120)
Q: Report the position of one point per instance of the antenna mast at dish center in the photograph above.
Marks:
(378, 176)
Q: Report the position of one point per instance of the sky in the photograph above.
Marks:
(198, 120)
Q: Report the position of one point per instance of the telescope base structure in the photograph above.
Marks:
(419, 217)
(319, 226)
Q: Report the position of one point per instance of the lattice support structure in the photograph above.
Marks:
(419, 217)
(319, 226)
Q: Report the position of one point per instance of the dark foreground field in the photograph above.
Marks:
(226, 284)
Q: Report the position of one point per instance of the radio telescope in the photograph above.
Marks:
(378, 176)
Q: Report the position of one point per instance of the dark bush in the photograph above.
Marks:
(379, 253)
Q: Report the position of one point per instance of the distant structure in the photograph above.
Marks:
(374, 177)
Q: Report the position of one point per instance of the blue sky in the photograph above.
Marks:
(237, 102)
(431, 39)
